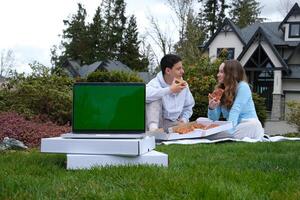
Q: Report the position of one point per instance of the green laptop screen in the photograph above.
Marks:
(108, 108)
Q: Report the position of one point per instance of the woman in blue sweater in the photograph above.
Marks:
(236, 104)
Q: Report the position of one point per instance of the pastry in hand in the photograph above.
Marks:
(217, 94)
(180, 82)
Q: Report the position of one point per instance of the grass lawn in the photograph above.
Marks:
(203, 171)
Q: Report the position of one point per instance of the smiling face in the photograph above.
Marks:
(221, 73)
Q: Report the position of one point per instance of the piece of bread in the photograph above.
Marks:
(187, 128)
(180, 82)
(217, 94)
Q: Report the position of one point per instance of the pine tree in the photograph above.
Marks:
(76, 39)
(129, 53)
(118, 26)
(114, 27)
(214, 13)
(245, 12)
(96, 36)
(108, 36)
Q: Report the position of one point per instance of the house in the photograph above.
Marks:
(270, 54)
(73, 68)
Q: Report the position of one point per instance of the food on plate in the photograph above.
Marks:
(204, 126)
(209, 126)
(180, 82)
(199, 126)
(183, 129)
(187, 128)
(217, 94)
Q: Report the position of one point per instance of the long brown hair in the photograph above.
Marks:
(233, 74)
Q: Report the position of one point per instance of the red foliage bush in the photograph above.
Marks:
(30, 132)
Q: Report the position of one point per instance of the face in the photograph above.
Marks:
(221, 74)
(176, 71)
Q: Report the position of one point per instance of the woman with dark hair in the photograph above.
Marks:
(236, 103)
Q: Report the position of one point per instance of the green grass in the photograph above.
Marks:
(202, 171)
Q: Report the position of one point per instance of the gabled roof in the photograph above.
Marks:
(115, 65)
(271, 30)
(72, 66)
(294, 11)
(262, 34)
(85, 70)
(235, 29)
(108, 65)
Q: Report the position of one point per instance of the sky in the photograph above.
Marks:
(30, 28)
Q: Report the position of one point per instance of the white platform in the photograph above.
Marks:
(101, 136)
(130, 147)
(78, 161)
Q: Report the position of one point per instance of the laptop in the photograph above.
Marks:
(108, 110)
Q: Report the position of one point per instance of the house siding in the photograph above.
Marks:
(293, 85)
(295, 59)
(228, 40)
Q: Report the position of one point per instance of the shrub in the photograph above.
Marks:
(294, 114)
(260, 108)
(39, 94)
(201, 79)
(30, 132)
(113, 76)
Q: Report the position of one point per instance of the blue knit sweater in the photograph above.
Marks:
(242, 108)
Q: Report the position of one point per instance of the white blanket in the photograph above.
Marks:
(266, 138)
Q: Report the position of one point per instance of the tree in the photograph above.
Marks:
(193, 36)
(129, 53)
(245, 12)
(161, 38)
(96, 29)
(75, 44)
(214, 13)
(108, 36)
(182, 8)
(114, 27)
(7, 61)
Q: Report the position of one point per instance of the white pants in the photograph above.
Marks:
(250, 128)
(154, 115)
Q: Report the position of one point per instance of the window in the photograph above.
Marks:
(227, 52)
(294, 30)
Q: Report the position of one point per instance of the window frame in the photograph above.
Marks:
(290, 30)
(228, 49)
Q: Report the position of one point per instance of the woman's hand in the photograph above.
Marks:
(213, 102)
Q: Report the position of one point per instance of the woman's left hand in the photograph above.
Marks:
(213, 103)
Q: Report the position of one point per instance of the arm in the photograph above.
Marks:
(241, 99)
(214, 108)
(214, 114)
(155, 92)
(188, 107)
